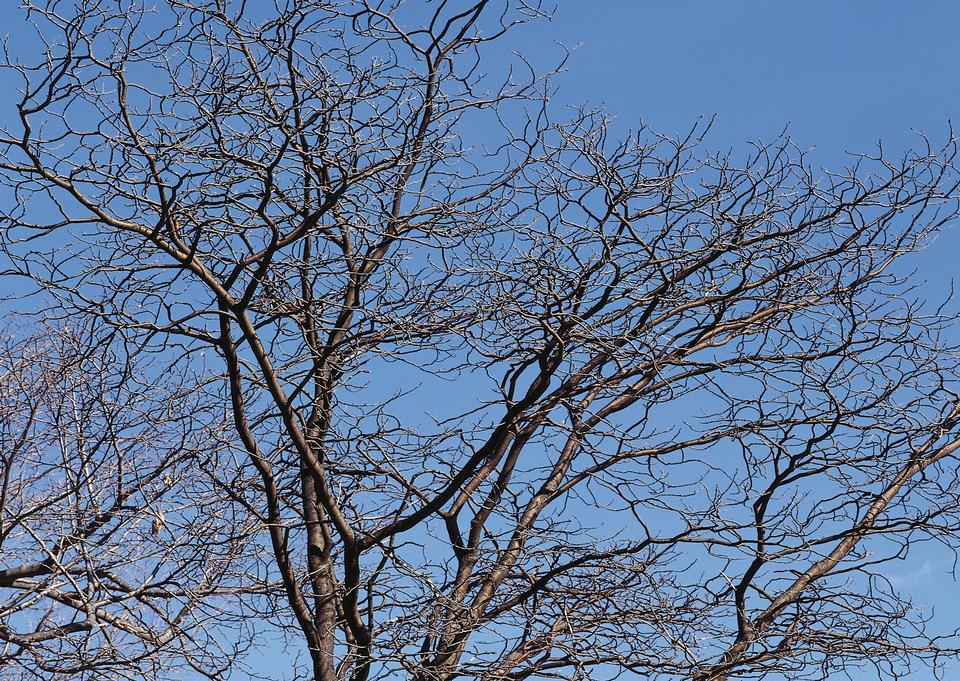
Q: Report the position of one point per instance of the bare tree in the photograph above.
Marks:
(108, 525)
(516, 399)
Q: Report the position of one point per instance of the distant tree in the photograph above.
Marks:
(94, 451)
(508, 397)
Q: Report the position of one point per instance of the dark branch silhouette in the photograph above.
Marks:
(384, 359)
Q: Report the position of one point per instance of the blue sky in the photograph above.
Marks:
(843, 74)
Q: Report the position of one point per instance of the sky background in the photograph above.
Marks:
(842, 75)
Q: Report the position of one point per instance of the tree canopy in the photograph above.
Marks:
(346, 351)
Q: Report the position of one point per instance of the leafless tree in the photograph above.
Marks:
(115, 549)
(515, 398)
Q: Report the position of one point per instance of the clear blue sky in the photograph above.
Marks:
(841, 74)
